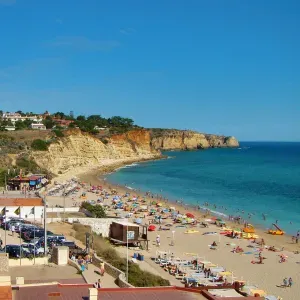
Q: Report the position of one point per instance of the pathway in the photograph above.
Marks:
(90, 276)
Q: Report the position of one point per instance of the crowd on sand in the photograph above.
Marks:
(166, 218)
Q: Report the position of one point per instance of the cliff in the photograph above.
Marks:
(186, 140)
(81, 150)
(78, 151)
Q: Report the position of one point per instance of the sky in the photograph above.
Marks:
(217, 66)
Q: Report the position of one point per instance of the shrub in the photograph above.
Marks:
(39, 145)
(58, 133)
(96, 210)
(137, 277)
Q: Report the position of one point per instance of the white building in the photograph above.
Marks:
(26, 208)
(14, 117)
(10, 128)
(38, 126)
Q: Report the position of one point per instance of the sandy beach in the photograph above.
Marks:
(267, 276)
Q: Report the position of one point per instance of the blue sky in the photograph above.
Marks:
(228, 67)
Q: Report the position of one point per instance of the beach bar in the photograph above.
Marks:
(123, 232)
(121, 229)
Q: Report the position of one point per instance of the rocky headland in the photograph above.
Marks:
(76, 151)
(188, 140)
(81, 150)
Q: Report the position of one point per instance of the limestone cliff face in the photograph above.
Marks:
(78, 149)
(185, 140)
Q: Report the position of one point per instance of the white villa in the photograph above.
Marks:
(14, 117)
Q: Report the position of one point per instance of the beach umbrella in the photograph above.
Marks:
(219, 220)
(152, 228)
(190, 215)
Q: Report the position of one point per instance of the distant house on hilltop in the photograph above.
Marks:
(62, 123)
(38, 126)
(14, 117)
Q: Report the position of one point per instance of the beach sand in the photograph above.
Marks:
(267, 276)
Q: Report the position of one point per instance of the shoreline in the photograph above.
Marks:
(266, 276)
(97, 177)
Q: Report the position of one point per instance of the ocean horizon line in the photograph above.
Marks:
(263, 141)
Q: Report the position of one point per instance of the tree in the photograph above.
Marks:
(96, 210)
(60, 115)
(20, 112)
(48, 122)
(20, 125)
(80, 118)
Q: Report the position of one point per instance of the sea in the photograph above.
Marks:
(259, 181)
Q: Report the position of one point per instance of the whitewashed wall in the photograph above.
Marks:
(98, 225)
(61, 209)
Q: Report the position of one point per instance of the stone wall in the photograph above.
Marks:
(4, 262)
(112, 271)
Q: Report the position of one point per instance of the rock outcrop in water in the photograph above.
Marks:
(187, 140)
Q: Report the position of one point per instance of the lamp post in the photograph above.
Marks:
(64, 202)
(127, 252)
(45, 229)
(173, 238)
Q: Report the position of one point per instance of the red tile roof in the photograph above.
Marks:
(21, 202)
(5, 293)
(79, 292)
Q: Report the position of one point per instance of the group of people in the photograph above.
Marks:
(82, 261)
(287, 282)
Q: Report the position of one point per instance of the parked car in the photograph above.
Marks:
(69, 244)
(33, 249)
(15, 251)
(56, 239)
(23, 227)
(8, 223)
(29, 235)
(27, 231)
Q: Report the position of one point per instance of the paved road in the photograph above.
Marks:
(90, 276)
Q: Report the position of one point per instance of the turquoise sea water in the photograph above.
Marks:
(259, 178)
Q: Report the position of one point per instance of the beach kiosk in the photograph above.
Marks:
(119, 230)
(123, 232)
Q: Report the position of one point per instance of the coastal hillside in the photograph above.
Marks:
(172, 139)
(82, 150)
(59, 152)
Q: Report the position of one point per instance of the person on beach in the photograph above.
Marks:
(290, 282)
(285, 282)
(158, 241)
(12, 230)
(102, 269)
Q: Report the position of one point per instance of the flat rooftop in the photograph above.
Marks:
(16, 194)
(125, 223)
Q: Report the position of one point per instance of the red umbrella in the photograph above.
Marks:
(190, 215)
(152, 228)
(214, 218)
